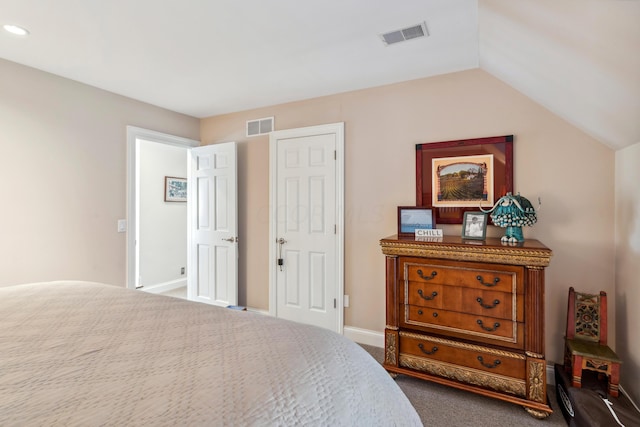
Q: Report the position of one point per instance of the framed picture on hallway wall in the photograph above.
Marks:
(175, 189)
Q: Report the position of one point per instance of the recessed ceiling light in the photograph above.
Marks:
(16, 30)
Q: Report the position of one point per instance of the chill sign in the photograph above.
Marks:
(424, 232)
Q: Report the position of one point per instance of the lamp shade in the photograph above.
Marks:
(513, 212)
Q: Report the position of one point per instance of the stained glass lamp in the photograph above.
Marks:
(512, 213)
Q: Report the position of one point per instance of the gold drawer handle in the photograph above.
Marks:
(486, 365)
(430, 277)
(488, 329)
(433, 350)
(495, 302)
(482, 282)
(433, 295)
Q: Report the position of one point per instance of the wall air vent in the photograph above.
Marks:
(259, 126)
(414, 32)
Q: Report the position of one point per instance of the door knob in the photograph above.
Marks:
(231, 239)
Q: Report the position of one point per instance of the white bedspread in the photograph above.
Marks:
(86, 354)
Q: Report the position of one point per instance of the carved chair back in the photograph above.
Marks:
(587, 317)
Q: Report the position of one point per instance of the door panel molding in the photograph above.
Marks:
(213, 224)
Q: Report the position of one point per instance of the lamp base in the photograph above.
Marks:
(512, 234)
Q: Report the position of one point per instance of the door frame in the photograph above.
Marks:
(338, 130)
(133, 167)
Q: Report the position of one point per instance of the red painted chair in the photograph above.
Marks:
(586, 340)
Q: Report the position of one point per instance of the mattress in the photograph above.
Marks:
(79, 353)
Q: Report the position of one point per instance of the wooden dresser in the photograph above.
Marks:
(469, 314)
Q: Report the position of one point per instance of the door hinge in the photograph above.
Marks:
(335, 229)
(335, 303)
(335, 154)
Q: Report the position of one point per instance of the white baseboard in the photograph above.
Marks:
(164, 287)
(551, 375)
(364, 336)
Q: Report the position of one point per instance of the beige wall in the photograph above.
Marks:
(63, 174)
(570, 171)
(628, 267)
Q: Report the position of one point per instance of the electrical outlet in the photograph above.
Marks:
(346, 300)
(182, 270)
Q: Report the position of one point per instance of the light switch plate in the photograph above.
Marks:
(122, 225)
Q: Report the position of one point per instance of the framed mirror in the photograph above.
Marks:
(462, 175)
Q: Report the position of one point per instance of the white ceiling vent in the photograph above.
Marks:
(259, 126)
(414, 32)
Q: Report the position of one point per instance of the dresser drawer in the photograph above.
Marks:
(501, 305)
(471, 326)
(425, 294)
(502, 278)
(486, 359)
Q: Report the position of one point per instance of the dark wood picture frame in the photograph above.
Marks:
(411, 218)
(500, 146)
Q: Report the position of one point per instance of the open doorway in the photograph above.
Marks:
(162, 220)
(157, 229)
(191, 241)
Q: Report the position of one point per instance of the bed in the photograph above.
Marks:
(80, 353)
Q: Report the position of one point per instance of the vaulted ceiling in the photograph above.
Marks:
(578, 58)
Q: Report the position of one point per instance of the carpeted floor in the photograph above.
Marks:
(440, 405)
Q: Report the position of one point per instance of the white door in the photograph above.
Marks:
(306, 225)
(213, 223)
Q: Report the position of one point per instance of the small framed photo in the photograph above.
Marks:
(474, 225)
(411, 218)
(175, 189)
